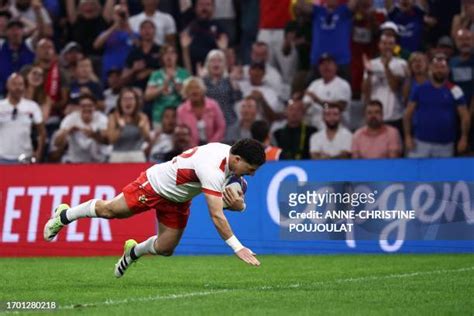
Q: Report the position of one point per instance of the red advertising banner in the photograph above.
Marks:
(29, 194)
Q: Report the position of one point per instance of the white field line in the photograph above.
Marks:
(111, 302)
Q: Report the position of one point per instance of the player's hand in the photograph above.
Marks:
(234, 200)
(247, 255)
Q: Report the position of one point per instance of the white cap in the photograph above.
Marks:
(389, 25)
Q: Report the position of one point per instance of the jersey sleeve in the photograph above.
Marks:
(212, 180)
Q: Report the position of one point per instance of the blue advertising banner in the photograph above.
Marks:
(437, 192)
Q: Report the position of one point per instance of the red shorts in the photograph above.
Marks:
(140, 197)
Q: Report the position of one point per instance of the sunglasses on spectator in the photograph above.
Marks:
(14, 114)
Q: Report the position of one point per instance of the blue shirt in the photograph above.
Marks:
(13, 61)
(332, 34)
(116, 49)
(410, 25)
(462, 74)
(436, 119)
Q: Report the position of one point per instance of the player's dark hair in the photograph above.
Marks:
(260, 130)
(250, 150)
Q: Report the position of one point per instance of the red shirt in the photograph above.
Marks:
(274, 14)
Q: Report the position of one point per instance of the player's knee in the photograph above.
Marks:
(103, 209)
(166, 252)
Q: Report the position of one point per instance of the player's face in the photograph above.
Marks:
(243, 168)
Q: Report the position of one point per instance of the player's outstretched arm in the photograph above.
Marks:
(216, 212)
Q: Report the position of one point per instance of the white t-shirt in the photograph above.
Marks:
(80, 147)
(200, 169)
(342, 141)
(272, 78)
(268, 92)
(110, 100)
(164, 23)
(163, 145)
(224, 9)
(392, 102)
(30, 15)
(336, 90)
(15, 129)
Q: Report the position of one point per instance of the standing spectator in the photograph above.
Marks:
(260, 131)
(294, 137)
(464, 20)
(84, 132)
(182, 140)
(334, 141)
(221, 87)
(69, 57)
(410, 21)
(274, 15)
(249, 20)
(162, 140)
(440, 14)
(418, 73)
(202, 35)
(117, 41)
(376, 139)
(445, 46)
(330, 89)
(225, 14)
(248, 115)
(332, 26)
(366, 25)
(112, 93)
(34, 15)
(86, 82)
(434, 110)
(14, 52)
(128, 129)
(164, 86)
(462, 65)
(86, 22)
(143, 58)
(34, 81)
(383, 80)
(165, 25)
(17, 117)
(203, 115)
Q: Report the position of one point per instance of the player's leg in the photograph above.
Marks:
(162, 245)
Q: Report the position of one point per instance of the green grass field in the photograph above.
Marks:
(222, 285)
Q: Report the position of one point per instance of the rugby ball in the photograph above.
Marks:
(237, 184)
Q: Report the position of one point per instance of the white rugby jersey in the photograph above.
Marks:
(200, 169)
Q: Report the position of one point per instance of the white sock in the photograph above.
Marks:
(86, 209)
(146, 247)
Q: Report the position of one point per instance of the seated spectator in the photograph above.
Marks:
(332, 26)
(112, 93)
(162, 140)
(34, 91)
(221, 87)
(69, 57)
(464, 20)
(87, 21)
(383, 80)
(434, 110)
(143, 59)
(445, 46)
(15, 52)
(18, 116)
(164, 23)
(330, 89)
(84, 132)
(181, 141)
(202, 115)
(128, 129)
(248, 115)
(409, 18)
(334, 141)
(376, 139)
(86, 82)
(418, 73)
(34, 15)
(260, 131)
(269, 105)
(294, 137)
(202, 35)
(165, 85)
(117, 41)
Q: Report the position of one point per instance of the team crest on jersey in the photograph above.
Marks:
(142, 198)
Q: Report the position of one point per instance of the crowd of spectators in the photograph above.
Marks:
(143, 80)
